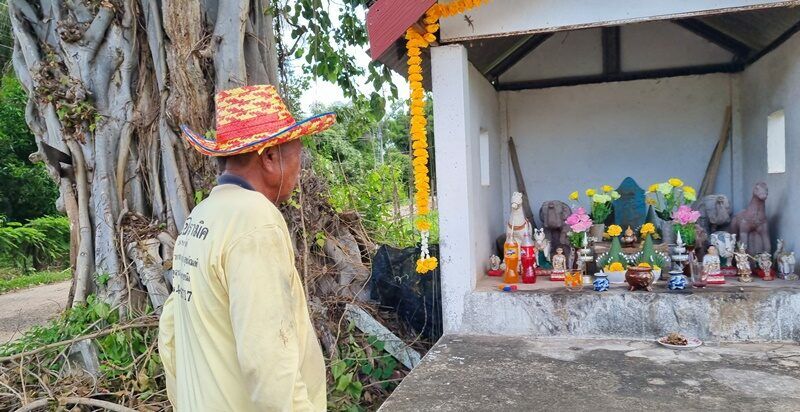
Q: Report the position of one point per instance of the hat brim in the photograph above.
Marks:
(258, 141)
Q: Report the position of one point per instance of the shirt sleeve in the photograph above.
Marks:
(259, 273)
(166, 346)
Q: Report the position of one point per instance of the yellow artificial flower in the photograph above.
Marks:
(653, 188)
(607, 188)
(615, 267)
(645, 265)
(656, 267)
(689, 189)
(574, 195)
(690, 196)
(675, 182)
(590, 192)
(648, 229)
(614, 230)
(651, 201)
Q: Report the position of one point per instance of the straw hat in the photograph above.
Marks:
(253, 118)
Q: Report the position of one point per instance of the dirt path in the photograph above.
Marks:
(25, 308)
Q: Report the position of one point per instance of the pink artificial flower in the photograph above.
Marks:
(579, 221)
(685, 215)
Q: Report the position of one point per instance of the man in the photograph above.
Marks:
(235, 335)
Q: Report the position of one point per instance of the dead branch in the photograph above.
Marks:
(41, 403)
(150, 323)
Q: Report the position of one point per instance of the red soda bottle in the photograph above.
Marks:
(528, 256)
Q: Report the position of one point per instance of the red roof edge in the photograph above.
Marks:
(387, 21)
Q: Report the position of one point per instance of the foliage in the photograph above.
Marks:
(40, 243)
(668, 196)
(327, 48)
(26, 190)
(362, 362)
(35, 279)
(130, 369)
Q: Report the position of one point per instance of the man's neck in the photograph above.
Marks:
(254, 183)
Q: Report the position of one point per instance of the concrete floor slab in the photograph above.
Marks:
(480, 373)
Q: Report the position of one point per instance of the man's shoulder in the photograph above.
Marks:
(239, 209)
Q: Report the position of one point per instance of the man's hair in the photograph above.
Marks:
(224, 161)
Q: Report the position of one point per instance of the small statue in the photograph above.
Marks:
(764, 260)
(559, 265)
(628, 238)
(712, 267)
(751, 224)
(542, 244)
(715, 212)
(553, 215)
(743, 263)
(496, 266)
(518, 224)
(785, 262)
(725, 243)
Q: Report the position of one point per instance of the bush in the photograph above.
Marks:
(42, 242)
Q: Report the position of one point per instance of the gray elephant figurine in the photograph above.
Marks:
(715, 212)
(553, 215)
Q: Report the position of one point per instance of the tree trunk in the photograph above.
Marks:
(109, 83)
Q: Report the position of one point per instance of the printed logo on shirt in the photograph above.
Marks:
(197, 230)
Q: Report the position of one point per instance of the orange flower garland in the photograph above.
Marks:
(415, 42)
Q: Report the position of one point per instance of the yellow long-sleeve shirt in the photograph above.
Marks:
(235, 335)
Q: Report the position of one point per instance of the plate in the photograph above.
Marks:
(691, 344)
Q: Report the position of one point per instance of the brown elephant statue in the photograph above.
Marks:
(751, 224)
(553, 215)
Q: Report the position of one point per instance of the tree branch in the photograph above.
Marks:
(96, 32)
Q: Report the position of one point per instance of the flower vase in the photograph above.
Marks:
(597, 231)
(676, 280)
(600, 283)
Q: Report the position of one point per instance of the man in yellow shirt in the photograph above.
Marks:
(235, 334)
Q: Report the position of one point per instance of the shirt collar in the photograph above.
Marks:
(230, 179)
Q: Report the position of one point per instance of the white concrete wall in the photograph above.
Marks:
(470, 213)
(769, 85)
(526, 16)
(571, 138)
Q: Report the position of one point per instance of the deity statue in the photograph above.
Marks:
(785, 261)
(751, 224)
(712, 267)
(559, 265)
(628, 238)
(764, 261)
(494, 262)
(743, 263)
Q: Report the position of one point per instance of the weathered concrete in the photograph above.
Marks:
(474, 373)
(761, 311)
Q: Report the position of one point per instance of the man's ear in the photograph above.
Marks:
(269, 159)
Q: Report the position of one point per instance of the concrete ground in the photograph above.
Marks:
(21, 310)
(472, 373)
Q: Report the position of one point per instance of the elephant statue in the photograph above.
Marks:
(553, 215)
(715, 212)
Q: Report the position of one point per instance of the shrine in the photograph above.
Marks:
(645, 139)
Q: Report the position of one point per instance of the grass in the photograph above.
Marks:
(11, 280)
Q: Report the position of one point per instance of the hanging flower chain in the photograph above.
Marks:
(415, 42)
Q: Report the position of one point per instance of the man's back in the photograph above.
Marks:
(235, 333)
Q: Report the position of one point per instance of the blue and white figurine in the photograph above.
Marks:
(600, 284)
(676, 281)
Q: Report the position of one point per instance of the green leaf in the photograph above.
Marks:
(337, 369)
(355, 390)
(343, 382)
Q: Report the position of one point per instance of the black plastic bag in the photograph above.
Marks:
(415, 297)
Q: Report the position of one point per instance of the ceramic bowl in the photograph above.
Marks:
(616, 277)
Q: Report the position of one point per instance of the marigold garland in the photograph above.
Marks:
(415, 42)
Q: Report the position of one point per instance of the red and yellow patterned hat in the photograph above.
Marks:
(253, 118)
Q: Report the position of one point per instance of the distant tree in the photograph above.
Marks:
(26, 190)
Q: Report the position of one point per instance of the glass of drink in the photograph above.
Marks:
(573, 279)
(699, 276)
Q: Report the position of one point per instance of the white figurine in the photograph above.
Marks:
(785, 261)
(494, 262)
(712, 267)
(743, 263)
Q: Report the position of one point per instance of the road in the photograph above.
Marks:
(21, 310)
